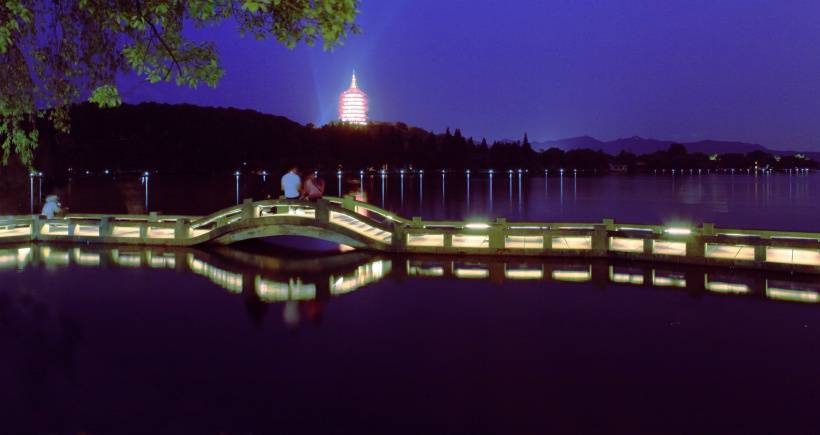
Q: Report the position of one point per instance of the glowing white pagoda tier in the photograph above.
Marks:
(353, 104)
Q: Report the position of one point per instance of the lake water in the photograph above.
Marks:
(775, 201)
(252, 339)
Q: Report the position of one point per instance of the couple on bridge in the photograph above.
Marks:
(293, 188)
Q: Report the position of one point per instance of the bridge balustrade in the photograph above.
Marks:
(371, 227)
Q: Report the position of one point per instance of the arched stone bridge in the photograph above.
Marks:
(361, 225)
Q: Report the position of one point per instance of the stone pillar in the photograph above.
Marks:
(498, 234)
(600, 237)
(399, 237)
(548, 241)
(647, 247)
(248, 209)
(708, 229)
(322, 212)
(760, 253)
(182, 229)
(36, 227)
(448, 240)
(695, 247)
(105, 226)
(349, 203)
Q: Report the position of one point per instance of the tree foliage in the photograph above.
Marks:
(165, 138)
(56, 52)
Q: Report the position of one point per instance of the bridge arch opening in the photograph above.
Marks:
(309, 238)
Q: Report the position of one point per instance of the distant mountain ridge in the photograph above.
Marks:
(640, 145)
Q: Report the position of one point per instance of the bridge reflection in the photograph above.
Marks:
(266, 278)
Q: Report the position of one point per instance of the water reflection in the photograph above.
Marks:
(262, 277)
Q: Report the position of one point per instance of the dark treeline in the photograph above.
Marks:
(189, 138)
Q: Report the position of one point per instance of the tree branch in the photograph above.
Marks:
(161, 41)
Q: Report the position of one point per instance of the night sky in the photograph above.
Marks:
(680, 70)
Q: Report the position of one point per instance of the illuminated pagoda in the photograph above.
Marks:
(353, 104)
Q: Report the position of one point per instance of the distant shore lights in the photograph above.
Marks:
(353, 104)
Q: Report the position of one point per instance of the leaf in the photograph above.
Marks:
(106, 96)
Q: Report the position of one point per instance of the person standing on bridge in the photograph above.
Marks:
(292, 184)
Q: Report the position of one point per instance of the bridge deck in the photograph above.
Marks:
(365, 226)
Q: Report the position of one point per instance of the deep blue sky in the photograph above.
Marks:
(680, 70)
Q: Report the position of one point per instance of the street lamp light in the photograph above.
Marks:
(145, 181)
(31, 191)
(237, 174)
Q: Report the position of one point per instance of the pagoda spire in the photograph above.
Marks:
(353, 84)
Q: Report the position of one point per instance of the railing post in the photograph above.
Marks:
(599, 239)
(36, 227)
(647, 246)
(707, 229)
(399, 237)
(71, 227)
(143, 230)
(547, 235)
(497, 234)
(760, 253)
(448, 240)
(609, 225)
(105, 226)
(182, 229)
(695, 244)
(349, 203)
(322, 212)
(695, 247)
(248, 209)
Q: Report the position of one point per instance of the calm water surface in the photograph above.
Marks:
(776, 201)
(248, 339)
(251, 339)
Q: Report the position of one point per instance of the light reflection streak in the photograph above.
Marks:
(625, 276)
(719, 285)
